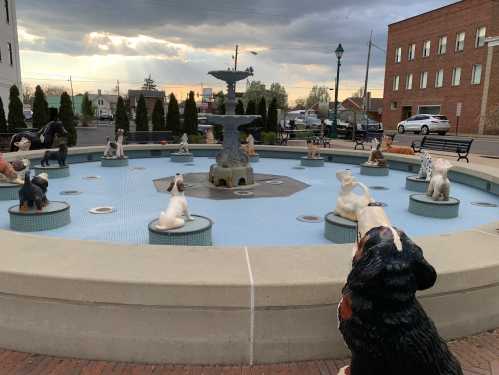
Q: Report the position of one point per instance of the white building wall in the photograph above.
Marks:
(10, 74)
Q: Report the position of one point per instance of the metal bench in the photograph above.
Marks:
(461, 146)
(362, 137)
(149, 137)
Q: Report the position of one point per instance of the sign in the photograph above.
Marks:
(459, 109)
(207, 94)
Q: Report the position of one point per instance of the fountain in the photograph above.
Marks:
(232, 168)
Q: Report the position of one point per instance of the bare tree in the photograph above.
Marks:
(51, 90)
(28, 94)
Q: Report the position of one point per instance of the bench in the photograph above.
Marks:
(362, 137)
(149, 137)
(461, 146)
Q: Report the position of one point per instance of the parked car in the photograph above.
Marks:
(28, 114)
(425, 124)
(346, 128)
(106, 117)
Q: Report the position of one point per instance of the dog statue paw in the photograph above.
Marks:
(177, 212)
(376, 158)
(426, 169)
(184, 144)
(380, 318)
(439, 187)
(348, 204)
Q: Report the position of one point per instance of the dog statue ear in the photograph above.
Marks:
(425, 274)
(170, 188)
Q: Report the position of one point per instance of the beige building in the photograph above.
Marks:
(10, 69)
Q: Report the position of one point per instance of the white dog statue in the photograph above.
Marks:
(184, 144)
(426, 169)
(115, 149)
(23, 145)
(210, 137)
(177, 210)
(249, 148)
(376, 158)
(439, 187)
(349, 204)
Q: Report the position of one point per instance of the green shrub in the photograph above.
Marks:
(269, 138)
(196, 139)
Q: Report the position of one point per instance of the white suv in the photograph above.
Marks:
(425, 124)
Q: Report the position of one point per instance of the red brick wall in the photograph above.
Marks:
(465, 16)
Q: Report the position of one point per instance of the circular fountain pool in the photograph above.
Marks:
(242, 220)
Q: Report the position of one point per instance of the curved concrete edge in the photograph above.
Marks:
(217, 305)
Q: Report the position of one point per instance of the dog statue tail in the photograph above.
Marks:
(166, 222)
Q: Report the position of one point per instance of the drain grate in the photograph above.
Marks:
(71, 192)
(484, 204)
(309, 219)
(243, 193)
(378, 188)
(274, 182)
(137, 169)
(299, 168)
(189, 164)
(91, 178)
(101, 210)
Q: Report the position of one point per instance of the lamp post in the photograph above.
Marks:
(334, 129)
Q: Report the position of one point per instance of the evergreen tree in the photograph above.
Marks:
(251, 108)
(40, 109)
(87, 110)
(3, 121)
(220, 103)
(141, 119)
(158, 116)
(16, 115)
(262, 111)
(121, 120)
(240, 107)
(191, 115)
(272, 119)
(173, 116)
(66, 115)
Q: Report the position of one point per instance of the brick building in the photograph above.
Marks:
(445, 59)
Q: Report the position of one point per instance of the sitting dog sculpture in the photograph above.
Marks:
(387, 146)
(177, 210)
(33, 193)
(426, 169)
(348, 204)
(184, 144)
(210, 137)
(439, 187)
(59, 155)
(376, 158)
(381, 321)
(23, 145)
(114, 149)
(249, 147)
(313, 149)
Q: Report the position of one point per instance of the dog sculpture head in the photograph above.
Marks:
(441, 167)
(348, 182)
(375, 144)
(23, 145)
(177, 185)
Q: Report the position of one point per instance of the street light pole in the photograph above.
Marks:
(334, 129)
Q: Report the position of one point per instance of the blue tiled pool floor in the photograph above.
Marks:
(252, 221)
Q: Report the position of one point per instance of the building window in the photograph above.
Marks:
(426, 48)
(456, 76)
(480, 37)
(398, 55)
(460, 41)
(7, 13)
(396, 82)
(408, 81)
(411, 55)
(10, 53)
(439, 78)
(394, 106)
(423, 81)
(476, 76)
(442, 45)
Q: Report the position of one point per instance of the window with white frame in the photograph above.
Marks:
(426, 48)
(460, 41)
(408, 81)
(442, 45)
(423, 80)
(476, 76)
(439, 78)
(456, 76)
(396, 82)
(480, 36)
(7, 12)
(11, 53)
(398, 55)
(411, 54)
(393, 106)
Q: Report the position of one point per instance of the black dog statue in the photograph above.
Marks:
(32, 193)
(59, 155)
(383, 324)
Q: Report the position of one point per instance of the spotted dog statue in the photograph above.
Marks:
(177, 212)
(382, 322)
(115, 149)
(376, 158)
(184, 144)
(348, 204)
(426, 169)
(439, 187)
(313, 149)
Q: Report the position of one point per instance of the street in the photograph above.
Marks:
(483, 145)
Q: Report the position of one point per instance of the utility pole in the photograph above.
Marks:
(366, 97)
(72, 94)
(235, 57)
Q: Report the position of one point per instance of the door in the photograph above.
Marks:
(406, 113)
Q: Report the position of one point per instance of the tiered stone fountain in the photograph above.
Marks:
(233, 167)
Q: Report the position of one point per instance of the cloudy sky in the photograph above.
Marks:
(178, 41)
